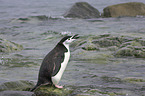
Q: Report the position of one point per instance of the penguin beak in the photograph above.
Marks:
(75, 36)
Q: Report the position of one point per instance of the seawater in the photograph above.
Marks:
(39, 37)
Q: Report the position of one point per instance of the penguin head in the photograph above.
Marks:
(68, 39)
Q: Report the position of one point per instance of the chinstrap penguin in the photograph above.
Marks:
(54, 63)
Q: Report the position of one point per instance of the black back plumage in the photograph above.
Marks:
(51, 63)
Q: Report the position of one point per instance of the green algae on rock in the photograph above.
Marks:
(90, 47)
(133, 79)
(47, 90)
(9, 46)
(119, 46)
(19, 87)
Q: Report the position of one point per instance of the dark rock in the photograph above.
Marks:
(125, 9)
(41, 17)
(16, 93)
(82, 10)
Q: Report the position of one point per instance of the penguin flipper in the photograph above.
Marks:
(57, 64)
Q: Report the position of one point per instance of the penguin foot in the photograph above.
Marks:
(57, 86)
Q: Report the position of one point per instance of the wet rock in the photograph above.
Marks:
(16, 85)
(134, 80)
(8, 46)
(113, 48)
(124, 39)
(52, 91)
(90, 47)
(139, 54)
(124, 52)
(132, 43)
(134, 51)
(125, 9)
(106, 42)
(104, 35)
(22, 88)
(142, 41)
(120, 46)
(16, 93)
(40, 17)
(82, 10)
(31, 19)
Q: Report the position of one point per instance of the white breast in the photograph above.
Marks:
(57, 77)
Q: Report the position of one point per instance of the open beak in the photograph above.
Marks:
(75, 36)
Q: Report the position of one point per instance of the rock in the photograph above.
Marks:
(22, 88)
(16, 85)
(31, 19)
(40, 17)
(134, 80)
(132, 43)
(142, 41)
(16, 93)
(125, 9)
(139, 54)
(114, 46)
(82, 10)
(105, 42)
(124, 52)
(134, 51)
(47, 90)
(124, 39)
(8, 46)
(90, 47)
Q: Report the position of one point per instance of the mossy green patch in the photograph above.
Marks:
(133, 80)
(9, 46)
(124, 52)
(47, 90)
(134, 43)
(90, 47)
